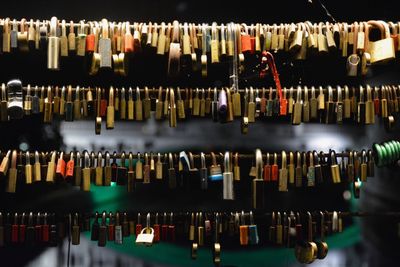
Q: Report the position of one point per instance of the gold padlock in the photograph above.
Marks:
(381, 50)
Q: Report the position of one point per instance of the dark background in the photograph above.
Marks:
(203, 11)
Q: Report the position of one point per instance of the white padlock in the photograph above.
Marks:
(145, 238)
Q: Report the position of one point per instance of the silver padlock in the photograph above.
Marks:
(146, 236)
(15, 103)
(228, 192)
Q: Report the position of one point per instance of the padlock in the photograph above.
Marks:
(28, 101)
(215, 169)
(258, 182)
(15, 103)
(105, 45)
(382, 50)
(203, 172)
(102, 240)
(146, 235)
(121, 171)
(75, 231)
(53, 48)
(283, 174)
(253, 231)
(228, 189)
(12, 174)
(81, 40)
(145, 238)
(3, 104)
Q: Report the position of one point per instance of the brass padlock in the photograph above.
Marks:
(344, 39)
(99, 170)
(296, 37)
(48, 107)
(4, 104)
(322, 41)
(382, 50)
(110, 110)
(329, 37)
(214, 43)
(51, 168)
(335, 172)
(28, 168)
(63, 40)
(172, 109)
(81, 40)
(53, 48)
(363, 166)
(339, 106)
(298, 108)
(369, 107)
(12, 174)
(86, 173)
(107, 170)
(283, 174)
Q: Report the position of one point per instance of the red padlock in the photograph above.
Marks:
(171, 229)
(111, 228)
(45, 229)
(22, 229)
(138, 227)
(60, 168)
(164, 228)
(14, 229)
(38, 229)
(267, 169)
(128, 39)
(69, 172)
(275, 169)
(156, 228)
(103, 104)
(91, 40)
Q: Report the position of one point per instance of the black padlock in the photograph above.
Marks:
(61, 223)
(102, 231)
(95, 228)
(330, 108)
(371, 164)
(69, 105)
(38, 229)
(121, 171)
(43, 165)
(194, 175)
(318, 170)
(326, 171)
(361, 108)
(86, 222)
(53, 237)
(30, 231)
(75, 230)
(214, 106)
(7, 229)
(114, 167)
(125, 225)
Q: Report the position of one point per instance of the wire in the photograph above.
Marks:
(328, 14)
